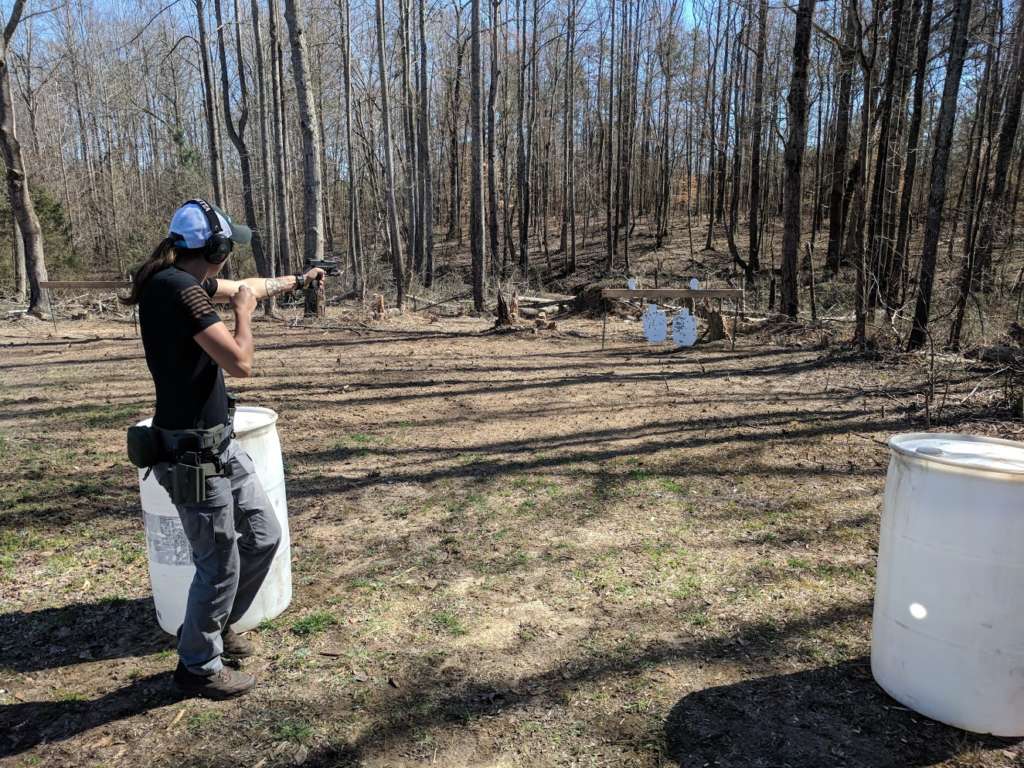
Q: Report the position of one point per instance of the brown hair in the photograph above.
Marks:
(163, 256)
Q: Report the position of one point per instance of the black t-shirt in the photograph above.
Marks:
(190, 392)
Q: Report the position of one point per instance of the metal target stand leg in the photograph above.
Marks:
(53, 316)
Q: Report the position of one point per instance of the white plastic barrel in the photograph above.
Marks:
(948, 629)
(170, 556)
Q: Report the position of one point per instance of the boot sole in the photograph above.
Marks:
(209, 693)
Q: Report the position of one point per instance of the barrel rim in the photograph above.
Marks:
(256, 409)
(896, 446)
(242, 408)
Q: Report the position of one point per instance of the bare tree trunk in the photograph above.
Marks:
(570, 118)
(313, 216)
(530, 214)
(976, 178)
(728, 74)
(283, 228)
(476, 206)
(836, 212)
(329, 180)
(20, 271)
(630, 148)
(709, 100)
(266, 167)
(998, 208)
(754, 259)
(355, 244)
(937, 192)
(426, 201)
(522, 156)
(896, 276)
(855, 225)
(454, 179)
(236, 132)
(622, 132)
(795, 143)
(397, 265)
(563, 232)
(609, 223)
(666, 54)
(210, 111)
(17, 182)
(877, 247)
(739, 109)
(492, 162)
(414, 255)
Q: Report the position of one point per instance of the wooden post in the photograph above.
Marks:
(736, 323)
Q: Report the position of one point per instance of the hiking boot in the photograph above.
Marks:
(236, 646)
(225, 684)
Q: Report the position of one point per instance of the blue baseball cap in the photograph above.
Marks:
(190, 228)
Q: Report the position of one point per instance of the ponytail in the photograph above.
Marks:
(162, 257)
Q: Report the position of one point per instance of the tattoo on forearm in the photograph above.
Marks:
(274, 285)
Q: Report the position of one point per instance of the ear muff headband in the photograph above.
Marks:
(218, 247)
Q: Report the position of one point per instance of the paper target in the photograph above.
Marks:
(684, 329)
(631, 283)
(694, 284)
(655, 324)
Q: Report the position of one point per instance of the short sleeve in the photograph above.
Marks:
(197, 308)
(210, 286)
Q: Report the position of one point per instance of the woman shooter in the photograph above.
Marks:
(224, 511)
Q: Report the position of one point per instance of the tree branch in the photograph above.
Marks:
(12, 23)
(145, 26)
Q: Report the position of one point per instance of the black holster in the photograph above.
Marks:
(188, 476)
(194, 456)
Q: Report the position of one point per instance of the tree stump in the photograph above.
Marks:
(506, 312)
(717, 327)
(315, 303)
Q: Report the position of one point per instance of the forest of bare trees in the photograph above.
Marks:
(870, 147)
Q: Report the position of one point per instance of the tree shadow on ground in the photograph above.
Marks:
(833, 715)
(599, 446)
(434, 697)
(27, 724)
(31, 641)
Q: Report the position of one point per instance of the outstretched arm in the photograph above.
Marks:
(264, 287)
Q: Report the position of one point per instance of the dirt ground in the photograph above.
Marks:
(508, 550)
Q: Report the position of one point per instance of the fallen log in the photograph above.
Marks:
(997, 354)
(430, 303)
(546, 301)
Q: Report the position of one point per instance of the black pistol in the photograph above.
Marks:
(330, 267)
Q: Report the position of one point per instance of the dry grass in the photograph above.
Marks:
(514, 550)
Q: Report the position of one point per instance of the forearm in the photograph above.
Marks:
(243, 338)
(264, 287)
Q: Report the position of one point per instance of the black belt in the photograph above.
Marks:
(177, 441)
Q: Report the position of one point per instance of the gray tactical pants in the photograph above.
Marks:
(234, 536)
